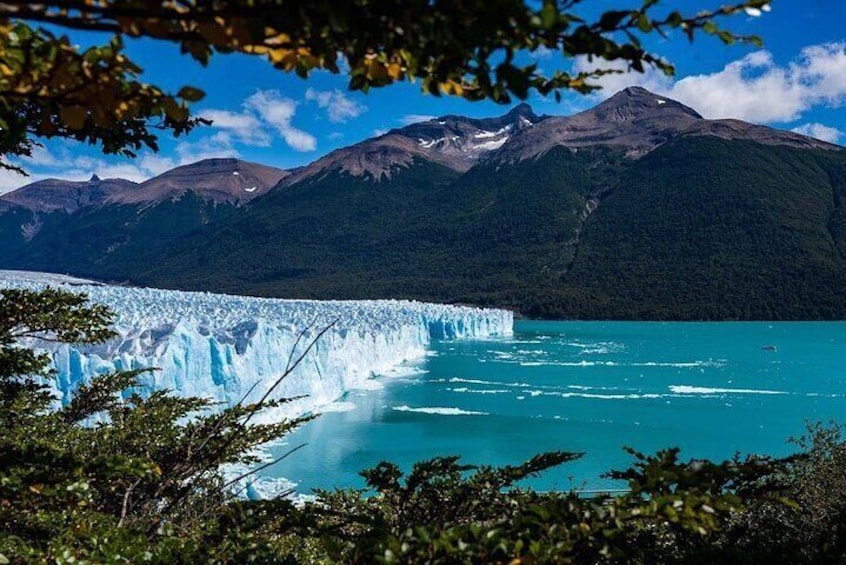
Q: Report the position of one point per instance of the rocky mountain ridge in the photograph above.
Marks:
(51, 195)
(638, 121)
(634, 121)
(455, 142)
(215, 180)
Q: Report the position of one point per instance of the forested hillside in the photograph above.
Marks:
(636, 209)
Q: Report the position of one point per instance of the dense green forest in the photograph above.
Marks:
(713, 229)
(701, 228)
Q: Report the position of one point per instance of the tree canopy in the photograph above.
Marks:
(114, 476)
(50, 87)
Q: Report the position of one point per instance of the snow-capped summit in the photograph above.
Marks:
(456, 142)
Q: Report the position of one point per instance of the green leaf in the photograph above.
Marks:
(191, 94)
(643, 23)
(549, 15)
(612, 19)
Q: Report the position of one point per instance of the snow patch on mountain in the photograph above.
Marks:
(490, 145)
(230, 347)
(486, 134)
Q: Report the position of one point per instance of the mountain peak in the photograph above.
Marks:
(219, 179)
(636, 102)
(523, 110)
(636, 91)
(49, 195)
(456, 142)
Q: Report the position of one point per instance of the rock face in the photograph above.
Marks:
(455, 142)
(63, 195)
(634, 120)
(637, 121)
(218, 180)
(737, 129)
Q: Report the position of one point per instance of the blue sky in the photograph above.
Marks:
(797, 81)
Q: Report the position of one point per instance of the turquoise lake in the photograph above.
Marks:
(712, 389)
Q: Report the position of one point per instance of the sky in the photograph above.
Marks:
(797, 81)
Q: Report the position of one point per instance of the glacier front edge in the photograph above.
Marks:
(226, 348)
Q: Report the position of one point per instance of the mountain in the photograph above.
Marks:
(454, 142)
(216, 180)
(98, 225)
(638, 208)
(636, 121)
(51, 195)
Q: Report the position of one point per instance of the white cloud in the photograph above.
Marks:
(10, 180)
(41, 156)
(336, 136)
(824, 67)
(155, 164)
(409, 119)
(754, 88)
(277, 112)
(820, 131)
(378, 132)
(245, 127)
(264, 113)
(339, 107)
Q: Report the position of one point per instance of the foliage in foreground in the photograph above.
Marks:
(754, 510)
(114, 477)
(440, 515)
(50, 87)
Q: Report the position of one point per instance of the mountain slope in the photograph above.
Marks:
(454, 142)
(716, 229)
(217, 180)
(100, 227)
(68, 196)
(638, 208)
(702, 228)
(635, 122)
(105, 242)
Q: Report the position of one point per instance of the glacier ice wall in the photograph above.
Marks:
(225, 347)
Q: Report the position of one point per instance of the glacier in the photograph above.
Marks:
(226, 348)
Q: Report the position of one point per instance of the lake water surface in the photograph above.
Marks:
(710, 388)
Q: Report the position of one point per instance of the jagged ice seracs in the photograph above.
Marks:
(226, 347)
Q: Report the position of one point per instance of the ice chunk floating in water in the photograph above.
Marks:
(223, 347)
